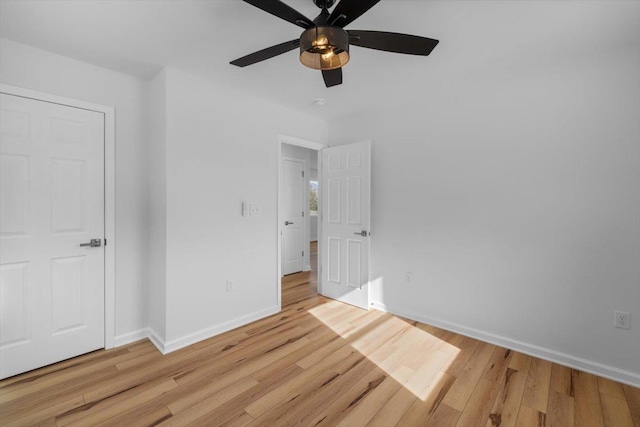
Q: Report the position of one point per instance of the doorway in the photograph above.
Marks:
(298, 225)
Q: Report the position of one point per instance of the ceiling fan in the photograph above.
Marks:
(324, 43)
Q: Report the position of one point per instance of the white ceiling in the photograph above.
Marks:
(481, 42)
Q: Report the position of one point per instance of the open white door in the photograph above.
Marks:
(51, 208)
(346, 213)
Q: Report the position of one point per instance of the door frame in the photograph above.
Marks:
(109, 194)
(305, 143)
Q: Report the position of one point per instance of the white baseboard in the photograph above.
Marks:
(307, 268)
(167, 347)
(130, 337)
(216, 330)
(156, 340)
(606, 371)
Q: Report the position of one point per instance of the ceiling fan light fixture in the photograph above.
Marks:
(324, 48)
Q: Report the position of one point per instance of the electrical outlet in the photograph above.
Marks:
(622, 320)
(230, 285)
(408, 276)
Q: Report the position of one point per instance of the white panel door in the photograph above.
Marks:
(346, 178)
(293, 206)
(51, 202)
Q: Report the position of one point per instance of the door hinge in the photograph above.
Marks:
(105, 241)
(302, 253)
(303, 174)
(303, 214)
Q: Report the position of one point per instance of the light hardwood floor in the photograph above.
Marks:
(318, 362)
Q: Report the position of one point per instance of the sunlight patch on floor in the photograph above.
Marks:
(415, 358)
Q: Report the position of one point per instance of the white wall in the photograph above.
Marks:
(26, 67)
(157, 304)
(516, 206)
(221, 149)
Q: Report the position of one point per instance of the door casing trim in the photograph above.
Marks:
(109, 194)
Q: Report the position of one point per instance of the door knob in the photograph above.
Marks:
(363, 233)
(288, 222)
(94, 243)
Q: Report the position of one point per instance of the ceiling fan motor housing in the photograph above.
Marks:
(324, 48)
(324, 4)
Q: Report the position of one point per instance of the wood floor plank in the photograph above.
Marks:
(295, 389)
(318, 401)
(446, 341)
(138, 417)
(561, 381)
(95, 414)
(529, 417)
(611, 388)
(520, 362)
(47, 396)
(497, 364)
(462, 388)
(588, 410)
(47, 422)
(247, 358)
(369, 401)
(237, 374)
(616, 412)
(293, 357)
(561, 410)
(391, 413)
(507, 403)
(40, 414)
(200, 409)
(142, 359)
(444, 416)
(466, 349)
(430, 372)
(369, 389)
(277, 411)
(240, 420)
(44, 374)
(480, 403)
(232, 412)
(536, 390)
(428, 401)
(326, 351)
(633, 399)
(489, 387)
(51, 382)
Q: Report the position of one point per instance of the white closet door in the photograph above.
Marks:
(51, 202)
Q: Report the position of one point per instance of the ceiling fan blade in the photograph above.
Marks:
(350, 10)
(392, 42)
(267, 53)
(332, 77)
(283, 11)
